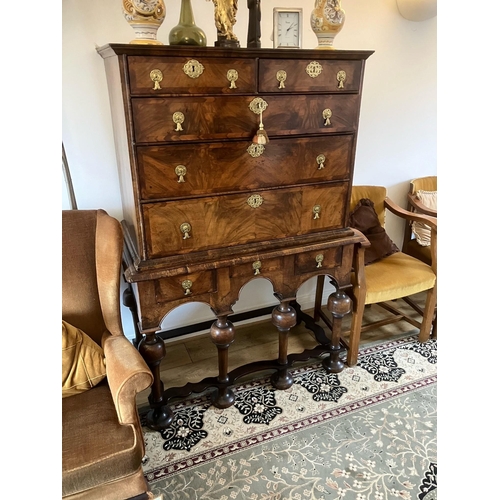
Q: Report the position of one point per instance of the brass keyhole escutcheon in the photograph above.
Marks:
(232, 76)
(178, 119)
(327, 114)
(281, 77)
(255, 200)
(255, 150)
(314, 69)
(320, 160)
(156, 76)
(187, 284)
(193, 68)
(316, 211)
(341, 76)
(258, 105)
(185, 230)
(319, 260)
(256, 266)
(180, 171)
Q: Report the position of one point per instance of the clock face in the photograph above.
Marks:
(287, 29)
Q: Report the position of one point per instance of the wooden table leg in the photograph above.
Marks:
(284, 317)
(222, 334)
(152, 349)
(339, 304)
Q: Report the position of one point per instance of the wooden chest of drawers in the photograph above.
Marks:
(206, 209)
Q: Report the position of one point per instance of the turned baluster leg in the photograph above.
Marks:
(152, 349)
(222, 334)
(284, 317)
(339, 304)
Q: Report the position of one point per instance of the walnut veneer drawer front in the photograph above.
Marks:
(188, 75)
(180, 170)
(309, 262)
(258, 267)
(289, 75)
(193, 118)
(225, 117)
(178, 287)
(184, 226)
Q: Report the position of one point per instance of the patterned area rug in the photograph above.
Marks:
(368, 433)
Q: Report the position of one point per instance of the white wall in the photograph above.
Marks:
(397, 138)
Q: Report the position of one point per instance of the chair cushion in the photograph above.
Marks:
(422, 231)
(96, 449)
(83, 363)
(396, 276)
(364, 218)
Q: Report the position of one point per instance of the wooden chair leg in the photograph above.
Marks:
(358, 305)
(355, 334)
(429, 311)
(320, 283)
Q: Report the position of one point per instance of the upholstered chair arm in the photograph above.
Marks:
(420, 207)
(127, 373)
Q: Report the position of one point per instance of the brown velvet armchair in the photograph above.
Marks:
(102, 441)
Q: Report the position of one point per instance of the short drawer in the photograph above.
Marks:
(258, 267)
(187, 75)
(309, 262)
(289, 75)
(183, 226)
(180, 170)
(186, 285)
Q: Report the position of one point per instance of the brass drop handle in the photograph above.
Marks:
(178, 119)
(327, 114)
(281, 77)
(258, 106)
(319, 260)
(341, 76)
(320, 160)
(187, 284)
(156, 77)
(316, 211)
(256, 266)
(232, 76)
(185, 230)
(180, 171)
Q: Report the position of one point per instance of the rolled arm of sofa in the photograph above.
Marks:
(127, 373)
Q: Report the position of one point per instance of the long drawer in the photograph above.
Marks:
(180, 170)
(230, 117)
(183, 226)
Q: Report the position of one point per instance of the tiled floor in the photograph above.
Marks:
(193, 359)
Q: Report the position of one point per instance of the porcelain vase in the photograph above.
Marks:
(145, 17)
(327, 19)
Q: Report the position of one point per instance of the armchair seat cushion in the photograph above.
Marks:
(96, 448)
(395, 276)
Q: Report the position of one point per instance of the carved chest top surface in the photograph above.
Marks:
(195, 185)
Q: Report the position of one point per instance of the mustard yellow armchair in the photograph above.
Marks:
(394, 276)
(102, 440)
(411, 244)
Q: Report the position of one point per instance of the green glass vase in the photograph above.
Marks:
(186, 32)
